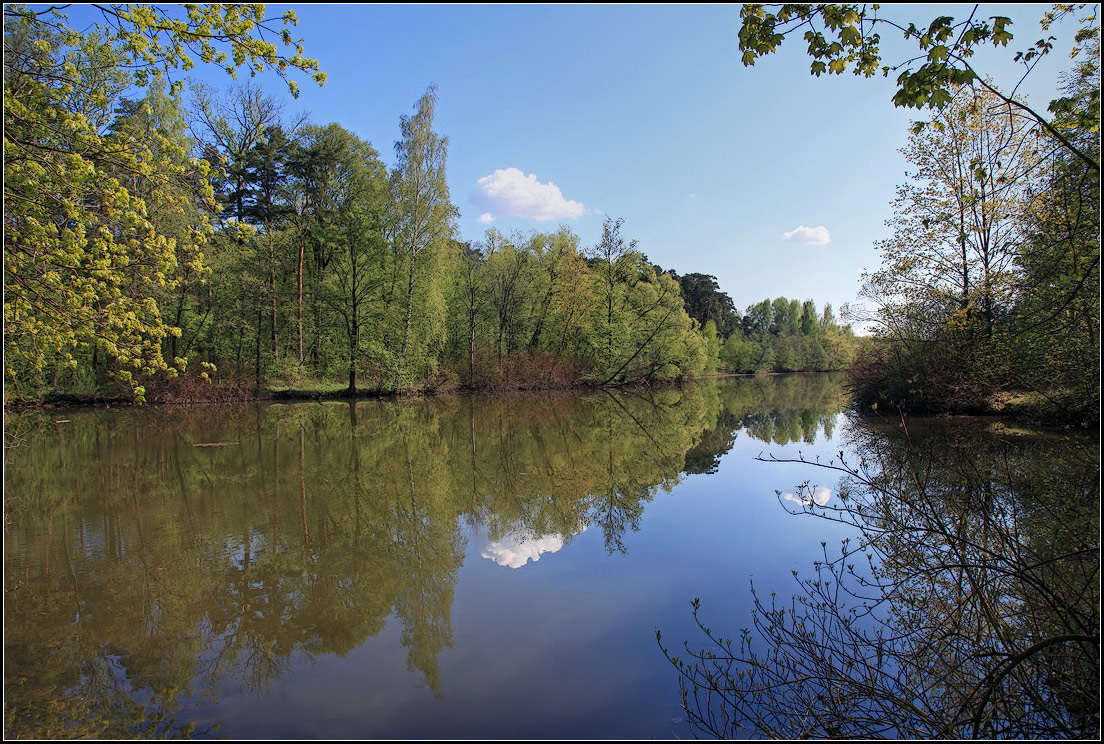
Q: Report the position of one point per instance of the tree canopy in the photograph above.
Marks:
(849, 36)
(155, 229)
(86, 243)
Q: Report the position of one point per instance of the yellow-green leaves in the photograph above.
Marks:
(157, 40)
(99, 218)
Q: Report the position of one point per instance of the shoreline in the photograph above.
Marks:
(1018, 411)
(167, 397)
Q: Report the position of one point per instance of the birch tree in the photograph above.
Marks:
(422, 231)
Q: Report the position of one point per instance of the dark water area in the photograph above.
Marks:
(486, 566)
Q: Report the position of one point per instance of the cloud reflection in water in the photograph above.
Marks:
(515, 549)
(819, 496)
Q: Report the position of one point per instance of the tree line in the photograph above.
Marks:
(156, 234)
(784, 335)
(779, 335)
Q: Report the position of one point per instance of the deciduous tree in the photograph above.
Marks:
(422, 231)
(82, 256)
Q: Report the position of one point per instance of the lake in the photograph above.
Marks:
(484, 566)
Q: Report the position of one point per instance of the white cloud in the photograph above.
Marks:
(510, 193)
(515, 551)
(819, 496)
(808, 235)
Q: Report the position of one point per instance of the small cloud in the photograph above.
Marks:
(515, 551)
(808, 235)
(510, 193)
(819, 496)
(691, 195)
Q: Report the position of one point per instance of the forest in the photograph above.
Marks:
(166, 237)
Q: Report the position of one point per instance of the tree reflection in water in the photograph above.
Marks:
(143, 574)
(965, 605)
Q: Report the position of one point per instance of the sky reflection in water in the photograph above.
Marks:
(338, 572)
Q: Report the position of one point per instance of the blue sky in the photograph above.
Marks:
(646, 113)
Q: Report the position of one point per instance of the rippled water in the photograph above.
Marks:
(483, 566)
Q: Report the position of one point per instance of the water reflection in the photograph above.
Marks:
(514, 550)
(142, 570)
(965, 604)
(809, 496)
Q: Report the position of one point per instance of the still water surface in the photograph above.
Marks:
(483, 566)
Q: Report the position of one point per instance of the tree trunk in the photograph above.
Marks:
(965, 260)
(316, 299)
(260, 323)
(471, 348)
(179, 317)
(409, 312)
(300, 284)
(354, 339)
(354, 324)
(272, 290)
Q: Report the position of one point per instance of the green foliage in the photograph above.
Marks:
(360, 266)
(82, 256)
(706, 302)
(739, 353)
(990, 283)
(712, 346)
(97, 225)
(422, 231)
(641, 330)
(788, 336)
(156, 40)
(842, 37)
